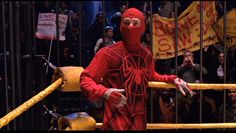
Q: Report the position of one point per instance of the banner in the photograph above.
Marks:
(230, 28)
(46, 28)
(188, 30)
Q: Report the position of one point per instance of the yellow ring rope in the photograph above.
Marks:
(26, 105)
(185, 126)
(193, 86)
(191, 126)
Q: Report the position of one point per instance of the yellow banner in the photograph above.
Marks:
(188, 30)
(230, 28)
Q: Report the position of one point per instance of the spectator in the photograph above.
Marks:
(232, 77)
(167, 106)
(108, 39)
(43, 48)
(188, 109)
(67, 47)
(219, 8)
(167, 7)
(230, 108)
(220, 69)
(115, 22)
(95, 30)
(72, 18)
(211, 63)
(189, 70)
(147, 15)
(147, 40)
(166, 97)
(172, 14)
(46, 7)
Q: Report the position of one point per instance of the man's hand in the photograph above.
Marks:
(188, 62)
(114, 97)
(191, 62)
(185, 62)
(183, 87)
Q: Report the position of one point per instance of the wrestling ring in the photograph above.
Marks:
(68, 79)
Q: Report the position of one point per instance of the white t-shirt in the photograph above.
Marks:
(100, 42)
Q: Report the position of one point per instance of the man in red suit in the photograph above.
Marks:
(120, 73)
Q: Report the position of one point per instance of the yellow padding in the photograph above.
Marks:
(82, 122)
(70, 76)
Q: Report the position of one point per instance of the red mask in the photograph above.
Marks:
(131, 34)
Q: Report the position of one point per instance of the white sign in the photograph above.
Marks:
(46, 28)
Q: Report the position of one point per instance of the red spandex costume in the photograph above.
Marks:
(124, 65)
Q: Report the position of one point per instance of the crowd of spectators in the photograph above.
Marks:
(189, 68)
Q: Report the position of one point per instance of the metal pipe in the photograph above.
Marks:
(18, 60)
(33, 27)
(151, 33)
(127, 3)
(225, 56)
(80, 42)
(5, 57)
(28, 61)
(12, 55)
(176, 56)
(80, 33)
(103, 19)
(201, 45)
(57, 33)
(58, 94)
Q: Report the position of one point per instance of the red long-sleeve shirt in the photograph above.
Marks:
(115, 67)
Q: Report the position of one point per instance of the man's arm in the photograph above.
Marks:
(158, 77)
(92, 75)
(181, 85)
(180, 70)
(197, 68)
(98, 43)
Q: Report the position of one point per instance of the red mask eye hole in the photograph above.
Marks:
(126, 23)
(136, 22)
